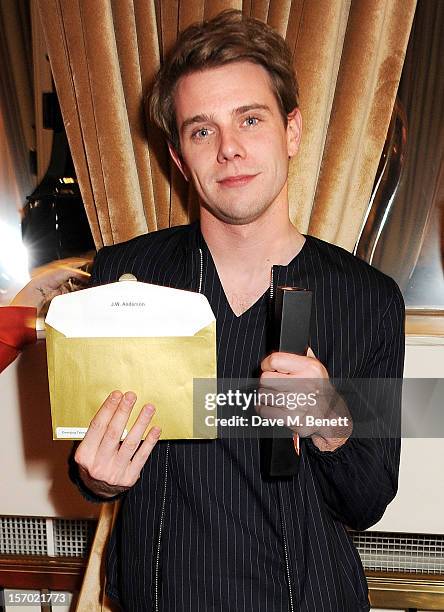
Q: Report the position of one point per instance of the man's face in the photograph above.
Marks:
(234, 144)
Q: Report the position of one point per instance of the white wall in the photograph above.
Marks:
(33, 475)
(419, 504)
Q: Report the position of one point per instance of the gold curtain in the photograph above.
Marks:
(16, 104)
(348, 55)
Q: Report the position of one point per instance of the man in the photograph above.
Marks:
(200, 528)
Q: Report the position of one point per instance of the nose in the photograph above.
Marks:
(230, 146)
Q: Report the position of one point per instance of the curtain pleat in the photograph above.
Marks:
(110, 152)
(16, 101)
(371, 63)
(213, 7)
(11, 196)
(149, 56)
(317, 55)
(169, 21)
(15, 31)
(190, 12)
(278, 15)
(125, 28)
(259, 9)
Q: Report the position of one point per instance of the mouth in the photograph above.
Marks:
(238, 180)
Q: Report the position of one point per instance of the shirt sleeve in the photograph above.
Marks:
(359, 479)
(17, 328)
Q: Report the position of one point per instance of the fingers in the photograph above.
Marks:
(69, 262)
(285, 363)
(86, 451)
(68, 272)
(100, 422)
(42, 288)
(132, 440)
(110, 442)
(55, 277)
(74, 262)
(105, 460)
(143, 453)
(307, 366)
(276, 382)
(272, 412)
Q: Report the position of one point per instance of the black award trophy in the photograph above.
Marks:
(289, 333)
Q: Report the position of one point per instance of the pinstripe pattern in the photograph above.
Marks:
(222, 544)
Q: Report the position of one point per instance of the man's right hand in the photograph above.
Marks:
(106, 465)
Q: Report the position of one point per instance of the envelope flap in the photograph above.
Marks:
(129, 309)
(206, 333)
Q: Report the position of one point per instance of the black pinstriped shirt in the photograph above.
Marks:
(201, 530)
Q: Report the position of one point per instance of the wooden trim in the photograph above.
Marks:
(424, 322)
(39, 572)
(399, 590)
(391, 590)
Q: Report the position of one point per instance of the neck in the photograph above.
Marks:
(269, 240)
(244, 254)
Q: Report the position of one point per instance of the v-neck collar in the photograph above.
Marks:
(197, 242)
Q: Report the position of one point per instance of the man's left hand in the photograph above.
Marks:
(320, 411)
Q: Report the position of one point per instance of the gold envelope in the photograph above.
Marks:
(82, 371)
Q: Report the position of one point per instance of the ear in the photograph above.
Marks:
(179, 161)
(294, 131)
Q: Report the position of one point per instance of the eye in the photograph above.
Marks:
(251, 121)
(201, 133)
